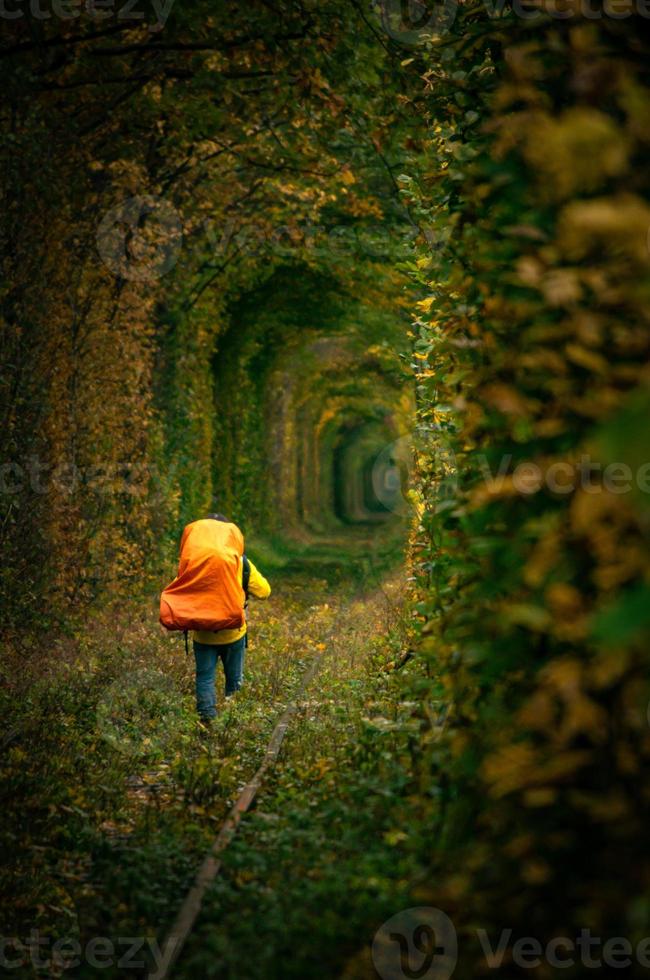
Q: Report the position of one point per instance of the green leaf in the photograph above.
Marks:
(624, 619)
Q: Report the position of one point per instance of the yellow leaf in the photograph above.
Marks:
(586, 358)
(425, 304)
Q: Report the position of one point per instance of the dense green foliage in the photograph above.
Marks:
(328, 175)
(244, 148)
(532, 550)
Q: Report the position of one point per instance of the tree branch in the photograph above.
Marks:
(199, 46)
(60, 41)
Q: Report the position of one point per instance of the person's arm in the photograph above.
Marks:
(258, 586)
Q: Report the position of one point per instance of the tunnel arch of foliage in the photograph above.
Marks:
(505, 165)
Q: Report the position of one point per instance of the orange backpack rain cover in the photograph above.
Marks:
(207, 593)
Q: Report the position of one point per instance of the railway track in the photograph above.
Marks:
(211, 865)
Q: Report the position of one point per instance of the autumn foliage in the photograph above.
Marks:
(531, 358)
(342, 236)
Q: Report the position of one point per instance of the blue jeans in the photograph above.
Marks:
(206, 656)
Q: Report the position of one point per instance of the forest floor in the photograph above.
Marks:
(116, 796)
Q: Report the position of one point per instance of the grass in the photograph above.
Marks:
(313, 871)
(111, 795)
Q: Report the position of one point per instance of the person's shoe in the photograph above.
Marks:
(204, 726)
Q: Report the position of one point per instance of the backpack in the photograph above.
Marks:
(207, 593)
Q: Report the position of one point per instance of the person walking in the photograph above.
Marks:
(227, 645)
(208, 597)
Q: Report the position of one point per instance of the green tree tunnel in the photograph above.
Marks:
(315, 392)
(372, 279)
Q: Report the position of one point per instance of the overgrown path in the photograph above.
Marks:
(340, 634)
(133, 797)
(210, 866)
